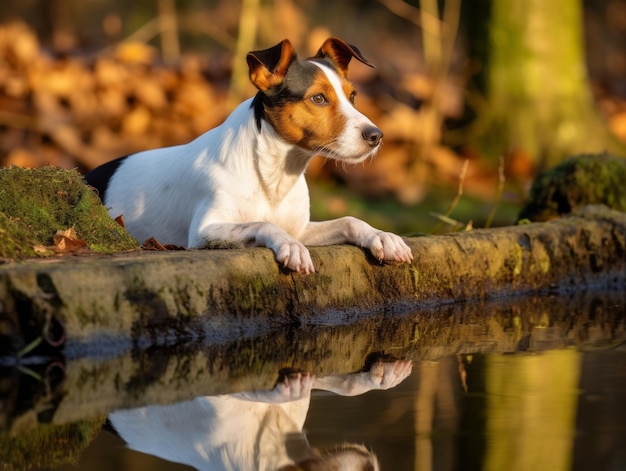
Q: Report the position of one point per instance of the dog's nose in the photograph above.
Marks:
(372, 135)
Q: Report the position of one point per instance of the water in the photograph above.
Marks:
(522, 384)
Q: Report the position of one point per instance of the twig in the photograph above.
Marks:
(30, 347)
(459, 191)
(248, 24)
(164, 24)
(31, 373)
(148, 31)
(447, 220)
(202, 23)
(426, 21)
(433, 38)
(501, 182)
(168, 26)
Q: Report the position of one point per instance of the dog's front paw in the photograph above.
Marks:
(386, 246)
(386, 375)
(293, 386)
(295, 256)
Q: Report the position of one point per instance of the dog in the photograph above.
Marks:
(242, 183)
(259, 430)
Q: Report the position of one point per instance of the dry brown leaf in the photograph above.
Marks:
(153, 244)
(66, 241)
(70, 233)
(120, 220)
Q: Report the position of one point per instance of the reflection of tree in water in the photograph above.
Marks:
(438, 416)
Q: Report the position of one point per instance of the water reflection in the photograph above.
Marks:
(261, 430)
(495, 385)
(555, 410)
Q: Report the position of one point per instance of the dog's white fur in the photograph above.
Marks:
(245, 187)
(253, 431)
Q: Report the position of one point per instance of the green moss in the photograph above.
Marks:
(49, 445)
(578, 181)
(252, 293)
(36, 203)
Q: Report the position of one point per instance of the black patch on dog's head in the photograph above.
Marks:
(297, 81)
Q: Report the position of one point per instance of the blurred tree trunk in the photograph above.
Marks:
(58, 21)
(539, 427)
(534, 80)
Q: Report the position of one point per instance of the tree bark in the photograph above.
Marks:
(538, 101)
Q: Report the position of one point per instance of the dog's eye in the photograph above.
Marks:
(319, 99)
(352, 97)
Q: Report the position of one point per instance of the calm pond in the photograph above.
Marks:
(533, 383)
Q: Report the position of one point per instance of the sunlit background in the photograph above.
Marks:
(474, 97)
(473, 101)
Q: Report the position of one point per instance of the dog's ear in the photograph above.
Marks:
(269, 66)
(340, 52)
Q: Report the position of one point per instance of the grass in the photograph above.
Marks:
(330, 201)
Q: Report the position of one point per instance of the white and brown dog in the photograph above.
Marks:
(242, 184)
(260, 430)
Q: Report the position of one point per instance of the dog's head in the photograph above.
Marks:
(347, 457)
(310, 103)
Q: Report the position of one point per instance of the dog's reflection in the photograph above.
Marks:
(254, 431)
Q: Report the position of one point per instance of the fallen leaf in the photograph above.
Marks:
(120, 220)
(153, 244)
(66, 241)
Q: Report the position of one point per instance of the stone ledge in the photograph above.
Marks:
(156, 298)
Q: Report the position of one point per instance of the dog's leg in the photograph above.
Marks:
(381, 375)
(288, 251)
(291, 387)
(383, 245)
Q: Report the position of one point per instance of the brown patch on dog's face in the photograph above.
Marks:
(315, 121)
(312, 107)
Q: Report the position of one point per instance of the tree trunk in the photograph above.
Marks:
(533, 77)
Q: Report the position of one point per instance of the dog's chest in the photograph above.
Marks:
(291, 213)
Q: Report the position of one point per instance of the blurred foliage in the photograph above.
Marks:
(84, 81)
(538, 106)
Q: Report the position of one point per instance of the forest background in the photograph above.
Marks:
(474, 97)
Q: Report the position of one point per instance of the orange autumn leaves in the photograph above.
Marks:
(65, 242)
